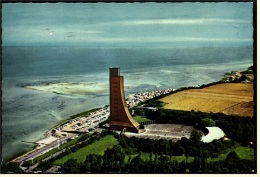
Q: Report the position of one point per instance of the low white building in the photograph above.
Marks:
(215, 133)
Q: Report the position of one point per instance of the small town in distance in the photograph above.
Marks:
(123, 119)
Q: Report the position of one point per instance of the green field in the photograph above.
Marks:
(243, 152)
(140, 119)
(97, 147)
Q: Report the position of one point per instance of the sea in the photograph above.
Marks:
(28, 114)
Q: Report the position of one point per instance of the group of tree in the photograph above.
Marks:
(160, 159)
(11, 167)
(114, 161)
(188, 147)
(240, 129)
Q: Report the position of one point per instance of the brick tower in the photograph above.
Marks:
(119, 113)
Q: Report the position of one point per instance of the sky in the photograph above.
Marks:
(127, 24)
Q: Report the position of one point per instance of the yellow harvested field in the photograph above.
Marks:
(227, 98)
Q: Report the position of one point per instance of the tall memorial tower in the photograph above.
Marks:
(119, 114)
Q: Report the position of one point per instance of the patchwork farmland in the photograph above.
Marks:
(227, 98)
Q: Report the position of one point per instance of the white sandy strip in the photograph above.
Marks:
(48, 140)
(71, 88)
(215, 133)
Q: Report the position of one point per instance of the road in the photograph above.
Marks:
(95, 118)
(38, 152)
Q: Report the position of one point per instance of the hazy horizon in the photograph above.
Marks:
(127, 24)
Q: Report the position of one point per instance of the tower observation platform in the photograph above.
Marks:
(121, 119)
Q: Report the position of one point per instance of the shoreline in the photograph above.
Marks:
(137, 97)
(144, 96)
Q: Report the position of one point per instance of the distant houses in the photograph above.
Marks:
(135, 99)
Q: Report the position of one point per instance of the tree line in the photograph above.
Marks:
(240, 129)
(160, 158)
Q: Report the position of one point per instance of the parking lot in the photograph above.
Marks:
(82, 124)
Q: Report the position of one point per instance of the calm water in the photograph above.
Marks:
(28, 114)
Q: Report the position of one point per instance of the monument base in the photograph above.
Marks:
(138, 129)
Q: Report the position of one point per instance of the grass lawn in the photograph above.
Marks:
(97, 147)
(140, 119)
(242, 152)
(245, 152)
(146, 156)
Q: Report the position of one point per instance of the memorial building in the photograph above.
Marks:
(121, 119)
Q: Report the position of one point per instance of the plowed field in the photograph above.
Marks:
(227, 98)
